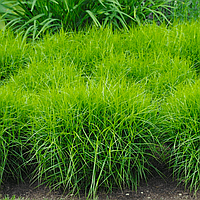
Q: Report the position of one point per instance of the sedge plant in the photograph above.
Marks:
(86, 110)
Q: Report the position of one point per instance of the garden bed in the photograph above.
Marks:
(99, 109)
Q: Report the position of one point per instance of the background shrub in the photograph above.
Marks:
(33, 18)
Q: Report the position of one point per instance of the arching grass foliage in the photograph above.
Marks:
(100, 108)
(34, 17)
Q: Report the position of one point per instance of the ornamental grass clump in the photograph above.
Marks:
(181, 129)
(97, 135)
(14, 125)
(84, 136)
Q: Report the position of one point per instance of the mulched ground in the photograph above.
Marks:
(155, 189)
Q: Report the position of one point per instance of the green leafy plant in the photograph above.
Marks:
(33, 18)
(187, 10)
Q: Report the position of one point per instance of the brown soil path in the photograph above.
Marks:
(156, 189)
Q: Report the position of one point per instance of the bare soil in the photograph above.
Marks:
(155, 189)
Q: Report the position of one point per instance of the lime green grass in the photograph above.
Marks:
(99, 109)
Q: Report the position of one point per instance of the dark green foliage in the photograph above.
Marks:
(35, 17)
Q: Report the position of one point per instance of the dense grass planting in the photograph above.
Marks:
(100, 108)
